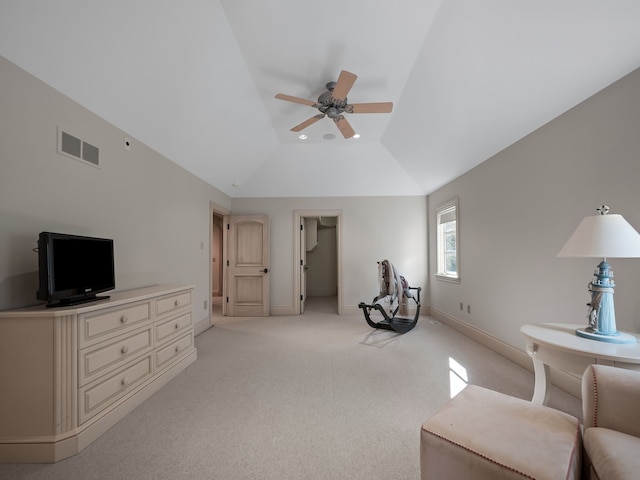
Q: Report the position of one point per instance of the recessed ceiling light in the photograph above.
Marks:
(357, 135)
(328, 136)
(235, 185)
(302, 137)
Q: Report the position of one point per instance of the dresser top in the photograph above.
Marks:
(115, 298)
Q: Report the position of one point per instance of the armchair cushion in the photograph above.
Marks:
(611, 454)
(611, 416)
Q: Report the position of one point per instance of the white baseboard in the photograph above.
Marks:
(568, 382)
(224, 319)
(355, 310)
(201, 325)
(351, 310)
(281, 310)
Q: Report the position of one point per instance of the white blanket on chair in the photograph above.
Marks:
(392, 288)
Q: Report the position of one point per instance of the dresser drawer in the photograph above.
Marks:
(173, 350)
(100, 359)
(109, 323)
(96, 397)
(172, 303)
(171, 328)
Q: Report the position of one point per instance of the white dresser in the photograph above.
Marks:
(69, 374)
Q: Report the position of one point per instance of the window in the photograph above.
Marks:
(448, 248)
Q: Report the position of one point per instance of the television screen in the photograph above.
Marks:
(74, 268)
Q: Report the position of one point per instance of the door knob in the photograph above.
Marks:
(265, 270)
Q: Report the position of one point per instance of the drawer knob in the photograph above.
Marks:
(177, 325)
(124, 319)
(124, 350)
(176, 303)
(177, 349)
(124, 381)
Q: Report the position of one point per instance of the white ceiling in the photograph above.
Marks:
(196, 79)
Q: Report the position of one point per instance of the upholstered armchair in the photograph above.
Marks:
(483, 434)
(611, 418)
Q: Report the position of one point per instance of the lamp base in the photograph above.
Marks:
(617, 337)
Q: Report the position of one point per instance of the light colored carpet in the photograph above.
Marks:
(317, 396)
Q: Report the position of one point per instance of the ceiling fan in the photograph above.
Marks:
(333, 103)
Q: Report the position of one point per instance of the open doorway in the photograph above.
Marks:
(317, 255)
(321, 265)
(217, 270)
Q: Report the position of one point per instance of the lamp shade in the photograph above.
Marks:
(603, 236)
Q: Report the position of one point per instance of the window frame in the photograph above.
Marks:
(447, 208)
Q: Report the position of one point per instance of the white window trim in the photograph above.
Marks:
(454, 202)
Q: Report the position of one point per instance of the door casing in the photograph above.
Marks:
(298, 215)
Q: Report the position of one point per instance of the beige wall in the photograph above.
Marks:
(322, 263)
(519, 208)
(156, 212)
(373, 229)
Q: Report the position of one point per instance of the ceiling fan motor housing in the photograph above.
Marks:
(329, 105)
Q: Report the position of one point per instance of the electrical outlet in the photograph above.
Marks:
(461, 306)
(468, 308)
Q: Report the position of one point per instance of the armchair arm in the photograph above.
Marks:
(611, 399)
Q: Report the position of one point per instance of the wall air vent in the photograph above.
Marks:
(72, 146)
(90, 153)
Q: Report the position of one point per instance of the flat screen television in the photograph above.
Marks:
(73, 269)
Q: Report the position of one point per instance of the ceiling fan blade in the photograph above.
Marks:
(343, 85)
(344, 127)
(289, 98)
(308, 122)
(382, 107)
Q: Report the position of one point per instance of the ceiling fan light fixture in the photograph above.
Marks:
(333, 112)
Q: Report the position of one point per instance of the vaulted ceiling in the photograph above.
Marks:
(196, 79)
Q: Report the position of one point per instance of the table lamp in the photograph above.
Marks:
(605, 236)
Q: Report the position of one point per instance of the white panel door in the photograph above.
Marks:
(248, 266)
